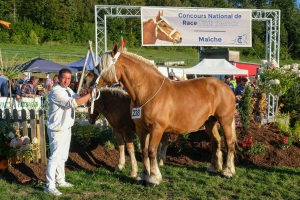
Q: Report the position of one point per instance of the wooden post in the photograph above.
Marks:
(42, 137)
(16, 119)
(33, 132)
(38, 135)
(7, 113)
(24, 122)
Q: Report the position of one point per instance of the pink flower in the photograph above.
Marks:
(25, 140)
(277, 137)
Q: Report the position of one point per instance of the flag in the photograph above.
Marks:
(122, 39)
(5, 24)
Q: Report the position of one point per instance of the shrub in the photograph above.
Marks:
(286, 140)
(182, 143)
(291, 102)
(283, 122)
(253, 147)
(85, 133)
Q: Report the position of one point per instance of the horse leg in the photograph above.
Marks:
(128, 137)
(162, 150)
(230, 141)
(217, 159)
(144, 139)
(155, 176)
(121, 148)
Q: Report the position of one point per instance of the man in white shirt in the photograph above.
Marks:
(62, 102)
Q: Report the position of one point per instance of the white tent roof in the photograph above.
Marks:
(214, 67)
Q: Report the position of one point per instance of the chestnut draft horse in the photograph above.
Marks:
(160, 105)
(159, 28)
(114, 105)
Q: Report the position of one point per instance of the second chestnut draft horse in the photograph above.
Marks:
(159, 28)
(160, 105)
(114, 105)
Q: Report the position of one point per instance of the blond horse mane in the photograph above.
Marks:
(107, 66)
(116, 91)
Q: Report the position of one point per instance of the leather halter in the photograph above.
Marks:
(157, 26)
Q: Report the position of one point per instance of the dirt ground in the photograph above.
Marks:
(96, 156)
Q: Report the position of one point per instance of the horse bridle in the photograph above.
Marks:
(158, 27)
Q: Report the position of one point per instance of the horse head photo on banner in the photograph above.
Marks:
(160, 29)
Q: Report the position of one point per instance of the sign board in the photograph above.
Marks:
(27, 103)
(197, 27)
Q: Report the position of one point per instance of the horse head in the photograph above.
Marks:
(164, 31)
(160, 28)
(90, 79)
(107, 67)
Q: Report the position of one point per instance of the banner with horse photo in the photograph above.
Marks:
(196, 27)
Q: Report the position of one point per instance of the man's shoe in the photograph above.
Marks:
(64, 184)
(53, 191)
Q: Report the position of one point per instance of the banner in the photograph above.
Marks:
(196, 27)
(27, 103)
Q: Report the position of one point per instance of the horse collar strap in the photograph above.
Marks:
(115, 58)
(136, 112)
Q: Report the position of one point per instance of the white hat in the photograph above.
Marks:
(25, 74)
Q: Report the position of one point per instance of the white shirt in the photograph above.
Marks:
(61, 106)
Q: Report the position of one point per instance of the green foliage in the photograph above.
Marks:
(109, 145)
(70, 22)
(34, 38)
(85, 133)
(291, 102)
(286, 77)
(296, 129)
(283, 122)
(245, 108)
(6, 126)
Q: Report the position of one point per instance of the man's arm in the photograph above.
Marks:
(83, 99)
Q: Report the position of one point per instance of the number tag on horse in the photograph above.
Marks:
(136, 113)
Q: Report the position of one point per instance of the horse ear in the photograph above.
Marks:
(160, 13)
(114, 50)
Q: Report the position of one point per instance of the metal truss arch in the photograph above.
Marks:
(102, 12)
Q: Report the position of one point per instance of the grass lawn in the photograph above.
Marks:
(189, 182)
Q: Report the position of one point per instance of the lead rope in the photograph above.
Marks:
(95, 96)
(155, 93)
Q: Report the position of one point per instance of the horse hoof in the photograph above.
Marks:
(152, 185)
(141, 182)
(226, 176)
(133, 175)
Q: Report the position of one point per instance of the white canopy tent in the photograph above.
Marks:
(214, 67)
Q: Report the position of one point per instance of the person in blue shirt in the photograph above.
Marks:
(227, 81)
(15, 89)
(239, 90)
